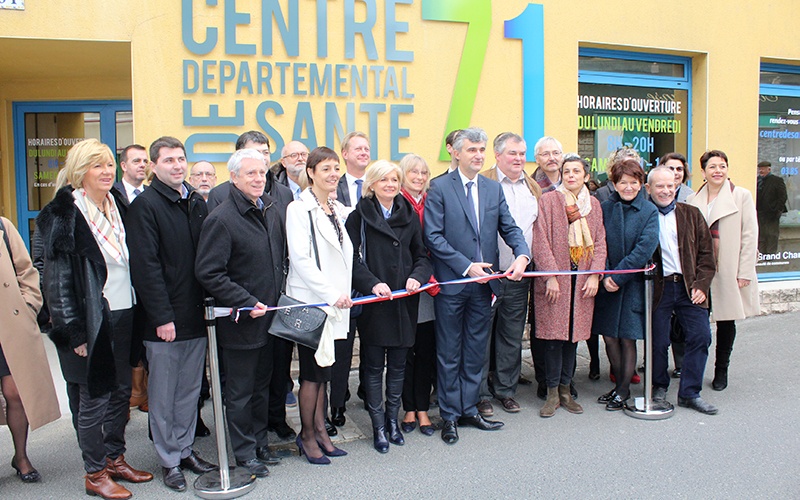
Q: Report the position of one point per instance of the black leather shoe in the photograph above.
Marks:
(283, 430)
(173, 478)
(676, 373)
(330, 428)
(616, 403)
(698, 404)
(408, 426)
(481, 423)
(197, 465)
(267, 456)
(605, 398)
(255, 466)
(337, 416)
(541, 391)
(393, 431)
(379, 440)
(450, 432)
(200, 430)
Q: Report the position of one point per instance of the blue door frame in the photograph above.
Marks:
(108, 135)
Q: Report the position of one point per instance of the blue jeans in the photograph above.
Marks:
(694, 320)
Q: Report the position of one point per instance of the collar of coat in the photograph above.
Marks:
(64, 230)
(724, 204)
(243, 203)
(172, 194)
(371, 213)
(638, 203)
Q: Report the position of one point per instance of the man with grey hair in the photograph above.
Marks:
(203, 178)
(685, 266)
(464, 213)
(503, 351)
(292, 163)
(245, 234)
(549, 154)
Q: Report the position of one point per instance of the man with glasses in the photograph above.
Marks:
(281, 195)
(203, 178)
(548, 153)
(292, 163)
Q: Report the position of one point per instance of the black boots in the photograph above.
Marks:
(726, 334)
(379, 440)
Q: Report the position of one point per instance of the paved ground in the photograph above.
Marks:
(749, 450)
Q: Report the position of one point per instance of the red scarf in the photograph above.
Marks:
(418, 207)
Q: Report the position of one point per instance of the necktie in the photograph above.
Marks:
(359, 182)
(473, 219)
(137, 192)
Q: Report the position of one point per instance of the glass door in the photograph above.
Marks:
(44, 132)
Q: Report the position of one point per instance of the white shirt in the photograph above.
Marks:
(524, 209)
(295, 187)
(668, 238)
(129, 190)
(464, 181)
(352, 187)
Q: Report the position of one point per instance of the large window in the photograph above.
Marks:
(778, 189)
(641, 101)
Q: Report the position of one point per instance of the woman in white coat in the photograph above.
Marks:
(731, 215)
(321, 274)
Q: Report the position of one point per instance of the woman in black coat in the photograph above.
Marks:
(392, 256)
(87, 284)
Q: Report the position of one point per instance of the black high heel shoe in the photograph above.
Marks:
(337, 452)
(323, 460)
(29, 477)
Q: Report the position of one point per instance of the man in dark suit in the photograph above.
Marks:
(770, 205)
(133, 162)
(685, 267)
(464, 213)
(356, 157)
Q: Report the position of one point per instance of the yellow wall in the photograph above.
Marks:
(725, 39)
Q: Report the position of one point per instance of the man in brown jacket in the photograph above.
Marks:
(686, 266)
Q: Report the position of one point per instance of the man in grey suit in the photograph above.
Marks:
(464, 213)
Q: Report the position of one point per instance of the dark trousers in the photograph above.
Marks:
(420, 369)
(559, 361)
(340, 374)
(281, 381)
(462, 332)
(374, 359)
(694, 321)
(504, 350)
(247, 398)
(102, 419)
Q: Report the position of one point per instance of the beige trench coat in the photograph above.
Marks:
(20, 300)
(737, 254)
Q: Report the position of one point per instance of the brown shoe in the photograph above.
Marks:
(509, 405)
(144, 407)
(551, 403)
(485, 408)
(565, 398)
(119, 469)
(99, 484)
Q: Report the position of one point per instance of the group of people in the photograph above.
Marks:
(124, 271)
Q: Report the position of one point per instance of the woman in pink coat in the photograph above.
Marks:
(567, 235)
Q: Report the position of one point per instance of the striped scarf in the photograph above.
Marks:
(105, 224)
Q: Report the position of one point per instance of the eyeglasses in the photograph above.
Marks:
(294, 156)
(549, 154)
(204, 174)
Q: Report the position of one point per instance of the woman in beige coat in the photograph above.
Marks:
(731, 215)
(27, 385)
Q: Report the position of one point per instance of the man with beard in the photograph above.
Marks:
(292, 163)
(203, 177)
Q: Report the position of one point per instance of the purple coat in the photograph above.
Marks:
(551, 253)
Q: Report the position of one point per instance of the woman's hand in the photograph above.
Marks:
(590, 287)
(383, 290)
(742, 283)
(81, 351)
(412, 285)
(260, 310)
(344, 302)
(610, 285)
(553, 291)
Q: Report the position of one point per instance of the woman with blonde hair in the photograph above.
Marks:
(87, 284)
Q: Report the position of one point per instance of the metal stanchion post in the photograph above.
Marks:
(645, 408)
(227, 483)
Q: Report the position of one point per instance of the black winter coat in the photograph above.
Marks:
(163, 232)
(74, 276)
(394, 253)
(240, 262)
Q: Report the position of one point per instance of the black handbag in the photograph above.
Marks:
(302, 325)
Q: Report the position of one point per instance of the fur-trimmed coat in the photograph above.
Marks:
(74, 276)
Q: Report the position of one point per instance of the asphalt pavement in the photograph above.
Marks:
(751, 449)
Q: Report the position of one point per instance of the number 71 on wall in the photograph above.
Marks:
(528, 27)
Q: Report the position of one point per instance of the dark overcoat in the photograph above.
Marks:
(631, 239)
(394, 253)
(240, 263)
(163, 232)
